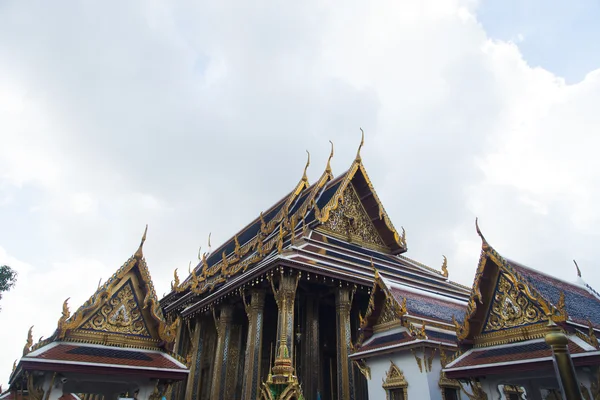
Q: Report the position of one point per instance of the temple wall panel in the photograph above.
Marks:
(418, 382)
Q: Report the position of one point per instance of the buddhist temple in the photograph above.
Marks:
(116, 345)
(317, 299)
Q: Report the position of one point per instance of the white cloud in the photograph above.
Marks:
(194, 117)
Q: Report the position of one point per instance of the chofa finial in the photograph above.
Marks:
(362, 142)
(328, 169)
(304, 176)
(578, 270)
(484, 242)
(139, 254)
(209, 246)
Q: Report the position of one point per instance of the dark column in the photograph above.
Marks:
(255, 313)
(311, 350)
(193, 385)
(223, 325)
(345, 371)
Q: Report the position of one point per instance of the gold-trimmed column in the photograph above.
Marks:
(284, 349)
(223, 324)
(255, 313)
(191, 391)
(345, 380)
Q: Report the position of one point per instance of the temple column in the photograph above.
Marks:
(255, 312)
(345, 379)
(193, 383)
(223, 324)
(284, 349)
(311, 354)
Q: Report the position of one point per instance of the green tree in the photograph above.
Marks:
(8, 278)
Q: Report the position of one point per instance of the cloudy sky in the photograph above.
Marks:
(194, 117)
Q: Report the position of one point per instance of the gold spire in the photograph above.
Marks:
(139, 253)
(362, 142)
(578, 270)
(304, 176)
(445, 267)
(175, 284)
(328, 169)
(66, 313)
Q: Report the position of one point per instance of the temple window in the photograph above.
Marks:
(395, 384)
(450, 393)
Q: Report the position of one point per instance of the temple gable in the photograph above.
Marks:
(119, 314)
(511, 307)
(350, 221)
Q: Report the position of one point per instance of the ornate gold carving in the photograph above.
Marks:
(34, 389)
(592, 335)
(350, 220)
(29, 342)
(363, 368)
(120, 314)
(445, 267)
(66, 314)
(511, 308)
(394, 379)
(387, 313)
(417, 359)
(175, 284)
(561, 308)
(510, 335)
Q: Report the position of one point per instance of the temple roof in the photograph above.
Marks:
(507, 297)
(124, 312)
(517, 357)
(334, 226)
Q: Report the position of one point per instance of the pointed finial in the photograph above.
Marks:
(209, 246)
(578, 270)
(14, 365)
(29, 342)
(445, 267)
(190, 268)
(139, 253)
(484, 242)
(328, 169)
(362, 142)
(200, 253)
(99, 282)
(304, 176)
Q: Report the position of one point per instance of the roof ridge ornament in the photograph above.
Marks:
(304, 176)
(209, 246)
(139, 254)
(362, 142)
(445, 267)
(484, 243)
(328, 168)
(578, 270)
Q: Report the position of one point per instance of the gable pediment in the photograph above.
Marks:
(120, 314)
(511, 307)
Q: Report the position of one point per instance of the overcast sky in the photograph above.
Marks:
(194, 117)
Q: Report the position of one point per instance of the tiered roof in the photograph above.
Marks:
(336, 227)
(511, 309)
(120, 329)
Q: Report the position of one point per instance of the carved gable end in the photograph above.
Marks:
(350, 221)
(387, 313)
(120, 313)
(511, 306)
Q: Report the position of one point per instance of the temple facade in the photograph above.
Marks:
(277, 311)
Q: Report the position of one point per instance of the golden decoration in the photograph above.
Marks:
(175, 283)
(328, 168)
(592, 335)
(363, 368)
(513, 390)
(224, 264)
(418, 359)
(209, 246)
(430, 359)
(139, 254)
(394, 379)
(422, 334)
(34, 389)
(29, 342)
(237, 250)
(350, 221)
(445, 267)
(304, 176)
(362, 142)
(168, 332)
(562, 309)
(66, 314)
(511, 308)
(120, 314)
(403, 237)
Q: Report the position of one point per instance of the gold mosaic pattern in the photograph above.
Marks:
(120, 314)
(511, 307)
(350, 220)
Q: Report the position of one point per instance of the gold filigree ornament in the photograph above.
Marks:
(29, 342)
(394, 379)
(445, 267)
